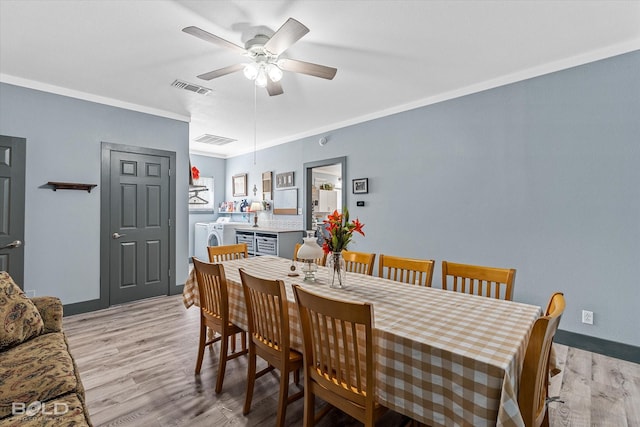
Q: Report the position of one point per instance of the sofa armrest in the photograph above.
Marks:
(50, 309)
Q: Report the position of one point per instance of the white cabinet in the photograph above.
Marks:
(262, 241)
(327, 201)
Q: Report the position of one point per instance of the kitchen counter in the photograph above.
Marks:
(268, 230)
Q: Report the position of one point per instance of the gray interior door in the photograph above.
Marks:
(139, 216)
(12, 175)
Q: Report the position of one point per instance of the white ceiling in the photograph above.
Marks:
(391, 56)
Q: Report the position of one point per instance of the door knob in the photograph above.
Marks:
(14, 244)
(117, 235)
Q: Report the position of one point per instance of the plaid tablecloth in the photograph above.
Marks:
(442, 358)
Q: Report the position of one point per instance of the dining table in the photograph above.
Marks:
(442, 358)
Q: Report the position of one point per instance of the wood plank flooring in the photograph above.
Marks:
(137, 360)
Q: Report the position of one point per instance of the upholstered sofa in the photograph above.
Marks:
(39, 381)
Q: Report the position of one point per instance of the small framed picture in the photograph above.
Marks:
(360, 186)
(284, 180)
(240, 185)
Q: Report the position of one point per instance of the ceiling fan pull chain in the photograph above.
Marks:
(255, 125)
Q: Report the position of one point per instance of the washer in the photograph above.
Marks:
(221, 232)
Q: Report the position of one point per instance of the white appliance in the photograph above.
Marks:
(221, 232)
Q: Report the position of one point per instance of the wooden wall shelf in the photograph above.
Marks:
(71, 186)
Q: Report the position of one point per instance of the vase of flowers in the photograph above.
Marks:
(339, 231)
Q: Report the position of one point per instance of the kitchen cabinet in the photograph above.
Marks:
(327, 201)
(269, 241)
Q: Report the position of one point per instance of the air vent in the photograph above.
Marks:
(213, 139)
(191, 87)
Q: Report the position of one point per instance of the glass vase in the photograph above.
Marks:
(337, 270)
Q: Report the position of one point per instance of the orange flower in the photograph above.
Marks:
(358, 226)
(340, 231)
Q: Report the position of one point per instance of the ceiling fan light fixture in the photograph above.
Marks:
(251, 71)
(261, 78)
(275, 73)
(266, 66)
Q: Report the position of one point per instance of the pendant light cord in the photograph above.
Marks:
(255, 126)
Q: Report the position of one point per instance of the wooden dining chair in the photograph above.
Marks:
(533, 393)
(479, 280)
(359, 262)
(227, 252)
(214, 314)
(406, 270)
(318, 261)
(268, 315)
(338, 357)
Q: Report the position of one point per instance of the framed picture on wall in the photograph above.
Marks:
(284, 180)
(240, 185)
(360, 186)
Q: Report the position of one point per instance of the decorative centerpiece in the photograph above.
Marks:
(340, 231)
(310, 252)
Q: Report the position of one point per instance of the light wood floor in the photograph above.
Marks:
(137, 360)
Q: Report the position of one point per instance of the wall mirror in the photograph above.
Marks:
(239, 185)
(285, 202)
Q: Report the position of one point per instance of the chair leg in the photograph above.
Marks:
(296, 376)
(222, 363)
(309, 407)
(369, 418)
(284, 394)
(545, 419)
(251, 379)
(233, 343)
(203, 336)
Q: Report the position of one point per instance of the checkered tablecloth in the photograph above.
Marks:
(443, 358)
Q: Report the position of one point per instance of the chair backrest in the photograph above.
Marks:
(227, 252)
(212, 289)
(407, 270)
(535, 369)
(338, 345)
(359, 262)
(479, 280)
(318, 261)
(267, 312)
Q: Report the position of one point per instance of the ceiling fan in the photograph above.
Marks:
(266, 65)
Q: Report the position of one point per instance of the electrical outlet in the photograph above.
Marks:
(30, 293)
(587, 317)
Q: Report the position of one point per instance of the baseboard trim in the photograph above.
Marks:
(597, 345)
(84, 307)
(97, 304)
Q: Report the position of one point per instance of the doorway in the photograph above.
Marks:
(137, 234)
(327, 173)
(12, 187)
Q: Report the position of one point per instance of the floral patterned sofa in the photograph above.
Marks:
(39, 381)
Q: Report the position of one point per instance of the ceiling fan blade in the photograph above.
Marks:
(290, 32)
(274, 88)
(221, 72)
(208, 37)
(302, 67)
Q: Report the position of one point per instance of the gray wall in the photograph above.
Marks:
(208, 167)
(542, 175)
(62, 231)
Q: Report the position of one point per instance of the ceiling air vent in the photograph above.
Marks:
(213, 139)
(191, 87)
